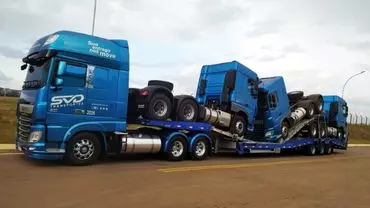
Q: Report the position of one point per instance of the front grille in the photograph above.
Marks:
(24, 126)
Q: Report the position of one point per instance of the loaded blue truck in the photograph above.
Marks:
(336, 112)
(76, 105)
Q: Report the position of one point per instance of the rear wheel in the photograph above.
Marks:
(313, 130)
(161, 83)
(310, 110)
(177, 149)
(238, 126)
(187, 110)
(200, 149)
(295, 96)
(323, 132)
(318, 101)
(159, 107)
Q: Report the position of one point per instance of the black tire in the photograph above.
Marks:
(284, 130)
(323, 131)
(238, 125)
(187, 110)
(312, 130)
(320, 148)
(161, 83)
(318, 102)
(328, 149)
(177, 149)
(311, 150)
(200, 149)
(83, 149)
(159, 107)
(309, 106)
(295, 96)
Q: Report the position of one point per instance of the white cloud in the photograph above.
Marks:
(314, 45)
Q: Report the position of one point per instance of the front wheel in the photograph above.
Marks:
(238, 126)
(83, 149)
(200, 149)
(284, 130)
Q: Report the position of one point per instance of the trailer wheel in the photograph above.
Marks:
(83, 149)
(200, 149)
(328, 149)
(159, 107)
(311, 150)
(177, 149)
(238, 126)
(320, 148)
(188, 110)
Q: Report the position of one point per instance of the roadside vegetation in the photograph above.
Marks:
(359, 134)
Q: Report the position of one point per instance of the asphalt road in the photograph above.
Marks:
(339, 180)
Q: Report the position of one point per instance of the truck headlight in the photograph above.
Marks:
(269, 133)
(35, 136)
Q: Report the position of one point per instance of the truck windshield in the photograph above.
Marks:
(37, 75)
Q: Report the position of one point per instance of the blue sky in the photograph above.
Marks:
(315, 45)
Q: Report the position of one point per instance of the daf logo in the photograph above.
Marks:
(67, 99)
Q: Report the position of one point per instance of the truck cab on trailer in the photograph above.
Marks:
(230, 87)
(273, 109)
(336, 112)
(74, 82)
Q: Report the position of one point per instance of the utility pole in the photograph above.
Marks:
(93, 23)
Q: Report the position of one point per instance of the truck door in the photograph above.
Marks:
(68, 95)
(102, 91)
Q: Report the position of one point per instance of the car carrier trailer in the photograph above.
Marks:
(76, 105)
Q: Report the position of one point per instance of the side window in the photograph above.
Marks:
(272, 100)
(74, 76)
(253, 86)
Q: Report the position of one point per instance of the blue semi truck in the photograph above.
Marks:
(76, 105)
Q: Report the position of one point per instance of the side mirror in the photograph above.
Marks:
(61, 68)
(24, 66)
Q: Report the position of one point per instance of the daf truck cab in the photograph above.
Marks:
(230, 87)
(273, 109)
(74, 82)
(336, 112)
